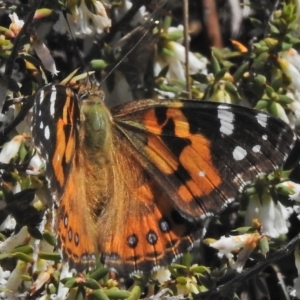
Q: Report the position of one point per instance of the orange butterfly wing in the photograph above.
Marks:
(174, 163)
(136, 182)
(57, 139)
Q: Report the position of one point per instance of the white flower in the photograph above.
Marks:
(295, 187)
(272, 216)
(226, 245)
(293, 57)
(81, 17)
(137, 19)
(290, 64)
(162, 275)
(16, 188)
(62, 291)
(172, 54)
(42, 279)
(3, 276)
(16, 24)
(15, 279)
(35, 165)
(14, 240)
(236, 16)
(8, 224)
(295, 107)
(44, 55)
(11, 149)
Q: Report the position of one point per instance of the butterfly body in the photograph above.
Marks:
(133, 183)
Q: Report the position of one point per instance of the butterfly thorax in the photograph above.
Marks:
(95, 124)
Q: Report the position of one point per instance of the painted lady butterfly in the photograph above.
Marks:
(134, 182)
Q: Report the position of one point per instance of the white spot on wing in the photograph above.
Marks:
(76, 238)
(227, 119)
(262, 119)
(239, 153)
(264, 137)
(52, 100)
(41, 125)
(41, 96)
(256, 149)
(202, 174)
(47, 133)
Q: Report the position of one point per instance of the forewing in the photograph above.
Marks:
(55, 129)
(176, 162)
(203, 153)
(55, 122)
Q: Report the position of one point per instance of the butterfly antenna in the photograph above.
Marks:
(160, 5)
(91, 78)
(129, 52)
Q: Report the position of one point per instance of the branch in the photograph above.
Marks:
(14, 53)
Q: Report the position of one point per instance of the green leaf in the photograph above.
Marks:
(202, 78)
(200, 269)
(98, 64)
(91, 284)
(186, 259)
(276, 79)
(135, 293)
(181, 280)
(220, 75)
(28, 249)
(256, 23)
(238, 74)
(69, 282)
(52, 256)
(273, 109)
(262, 104)
(243, 230)
(283, 99)
(232, 89)
(274, 29)
(216, 68)
(115, 293)
(99, 273)
(260, 60)
(49, 238)
(286, 46)
(23, 257)
(264, 245)
(99, 295)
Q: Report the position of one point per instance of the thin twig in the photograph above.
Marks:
(211, 22)
(14, 53)
(187, 46)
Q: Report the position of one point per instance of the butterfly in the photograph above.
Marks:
(133, 184)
